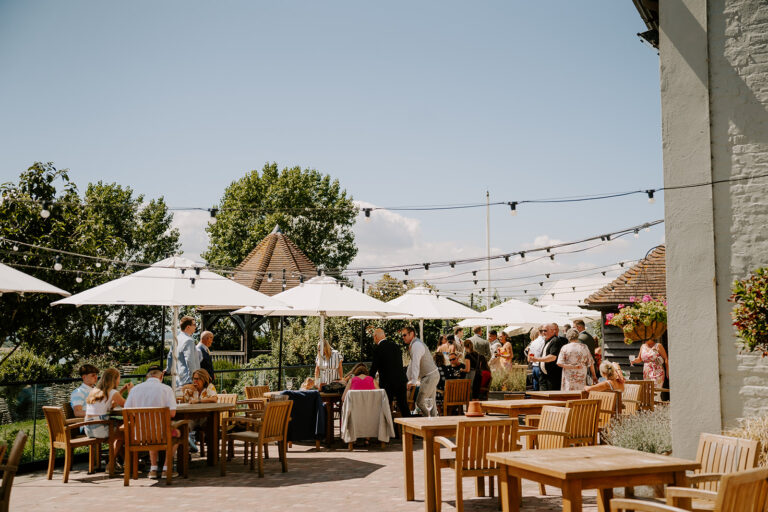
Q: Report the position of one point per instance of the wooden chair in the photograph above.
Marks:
(474, 440)
(720, 455)
(744, 491)
(552, 432)
(582, 422)
(60, 436)
(255, 391)
(411, 396)
(9, 469)
(273, 427)
(456, 395)
(151, 429)
(630, 398)
(222, 398)
(647, 394)
(608, 404)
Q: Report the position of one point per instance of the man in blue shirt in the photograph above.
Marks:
(187, 360)
(90, 376)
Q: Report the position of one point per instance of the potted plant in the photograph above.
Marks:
(642, 320)
(506, 380)
(750, 311)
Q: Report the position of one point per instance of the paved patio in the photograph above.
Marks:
(368, 479)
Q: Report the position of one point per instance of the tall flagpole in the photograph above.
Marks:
(488, 245)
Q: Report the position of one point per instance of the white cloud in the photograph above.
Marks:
(193, 237)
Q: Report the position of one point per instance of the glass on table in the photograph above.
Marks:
(429, 403)
(288, 383)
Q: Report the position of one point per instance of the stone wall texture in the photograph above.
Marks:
(738, 51)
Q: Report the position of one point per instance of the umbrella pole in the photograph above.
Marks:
(174, 344)
(280, 357)
(421, 329)
(162, 334)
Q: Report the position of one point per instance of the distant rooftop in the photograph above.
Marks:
(646, 277)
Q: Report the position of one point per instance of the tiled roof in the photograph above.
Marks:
(273, 254)
(646, 277)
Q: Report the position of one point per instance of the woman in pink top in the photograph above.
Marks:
(360, 380)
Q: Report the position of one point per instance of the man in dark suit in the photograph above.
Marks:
(388, 363)
(204, 353)
(552, 373)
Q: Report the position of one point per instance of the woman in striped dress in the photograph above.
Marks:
(327, 364)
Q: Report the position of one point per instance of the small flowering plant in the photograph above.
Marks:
(642, 319)
(750, 310)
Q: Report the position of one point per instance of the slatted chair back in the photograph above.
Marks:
(457, 393)
(724, 454)
(474, 440)
(9, 469)
(647, 394)
(607, 406)
(552, 418)
(630, 397)
(147, 428)
(274, 426)
(582, 422)
(226, 398)
(255, 391)
(57, 430)
(745, 491)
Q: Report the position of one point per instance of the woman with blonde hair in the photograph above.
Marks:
(100, 401)
(327, 364)
(201, 390)
(614, 378)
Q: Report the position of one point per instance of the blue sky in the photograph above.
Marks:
(406, 103)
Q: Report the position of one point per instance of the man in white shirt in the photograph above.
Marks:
(422, 371)
(153, 393)
(187, 359)
(536, 348)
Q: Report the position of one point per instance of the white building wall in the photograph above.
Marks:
(714, 87)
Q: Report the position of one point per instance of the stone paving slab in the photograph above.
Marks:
(368, 478)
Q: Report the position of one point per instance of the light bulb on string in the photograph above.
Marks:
(57, 266)
(78, 279)
(637, 233)
(15, 248)
(212, 218)
(98, 264)
(269, 277)
(513, 208)
(651, 200)
(45, 212)
(367, 212)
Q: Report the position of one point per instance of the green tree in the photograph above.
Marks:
(310, 208)
(109, 222)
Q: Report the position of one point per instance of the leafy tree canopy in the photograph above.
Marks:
(107, 221)
(310, 208)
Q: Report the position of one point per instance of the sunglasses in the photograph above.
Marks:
(453, 359)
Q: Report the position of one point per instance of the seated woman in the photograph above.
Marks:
(444, 348)
(201, 390)
(614, 378)
(100, 401)
(360, 380)
(308, 384)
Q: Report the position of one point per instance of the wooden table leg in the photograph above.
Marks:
(408, 462)
(328, 423)
(429, 471)
(604, 497)
(509, 491)
(213, 445)
(572, 496)
(682, 481)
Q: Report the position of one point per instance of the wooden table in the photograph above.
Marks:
(330, 400)
(427, 428)
(514, 408)
(586, 467)
(554, 395)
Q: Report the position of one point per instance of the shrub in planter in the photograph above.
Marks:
(509, 379)
(755, 427)
(750, 310)
(646, 431)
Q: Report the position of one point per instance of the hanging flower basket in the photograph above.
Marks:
(643, 333)
(642, 320)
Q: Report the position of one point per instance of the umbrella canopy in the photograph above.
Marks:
(515, 312)
(424, 304)
(324, 296)
(15, 281)
(172, 282)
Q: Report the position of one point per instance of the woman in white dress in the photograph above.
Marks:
(328, 366)
(102, 398)
(574, 359)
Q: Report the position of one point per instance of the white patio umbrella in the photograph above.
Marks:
(324, 296)
(15, 281)
(515, 312)
(425, 304)
(173, 282)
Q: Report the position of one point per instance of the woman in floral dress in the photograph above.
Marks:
(654, 359)
(574, 359)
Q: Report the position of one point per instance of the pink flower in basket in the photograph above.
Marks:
(632, 298)
(647, 298)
